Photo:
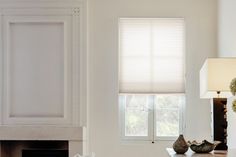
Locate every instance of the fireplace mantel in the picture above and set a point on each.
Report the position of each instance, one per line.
(42, 133)
(76, 136)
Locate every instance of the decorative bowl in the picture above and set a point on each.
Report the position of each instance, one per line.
(203, 147)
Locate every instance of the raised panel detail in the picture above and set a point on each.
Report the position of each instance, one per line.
(44, 67)
(36, 69)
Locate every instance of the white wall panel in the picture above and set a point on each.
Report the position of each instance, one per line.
(41, 80)
(36, 70)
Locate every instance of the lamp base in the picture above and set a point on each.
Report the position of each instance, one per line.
(219, 118)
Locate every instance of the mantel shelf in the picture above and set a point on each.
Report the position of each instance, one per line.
(41, 133)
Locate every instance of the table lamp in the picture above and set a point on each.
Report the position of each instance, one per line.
(215, 77)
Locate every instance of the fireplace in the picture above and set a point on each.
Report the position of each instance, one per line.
(15, 139)
(34, 149)
(44, 153)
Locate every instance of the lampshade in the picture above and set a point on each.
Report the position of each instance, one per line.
(216, 75)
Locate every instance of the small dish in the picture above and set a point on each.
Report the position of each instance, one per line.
(203, 147)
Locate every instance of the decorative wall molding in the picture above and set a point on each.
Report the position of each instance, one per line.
(75, 11)
(11, 112)
(42, 3)
(72, 15)
(1, 67)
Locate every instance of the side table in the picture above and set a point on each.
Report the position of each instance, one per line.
(190, 153)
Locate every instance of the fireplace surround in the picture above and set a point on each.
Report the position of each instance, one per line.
(14, 139)
(34, 149)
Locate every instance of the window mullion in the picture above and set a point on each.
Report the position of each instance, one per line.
(151, 118)
(122, 114)
(182, 118)
(154, 119)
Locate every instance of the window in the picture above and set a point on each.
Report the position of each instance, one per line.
(151, 78)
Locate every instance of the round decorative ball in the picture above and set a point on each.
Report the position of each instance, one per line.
(233, 86)
(180, 146)
(234, 105)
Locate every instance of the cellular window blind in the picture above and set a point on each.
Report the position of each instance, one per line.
(151, 55)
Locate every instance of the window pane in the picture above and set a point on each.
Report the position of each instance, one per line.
(167, 114)
(136, 115)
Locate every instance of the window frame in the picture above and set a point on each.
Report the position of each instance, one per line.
(181, 120)
(122, 99)
(152, 116)
(151, 119)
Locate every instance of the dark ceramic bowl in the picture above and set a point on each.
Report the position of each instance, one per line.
(204, 147)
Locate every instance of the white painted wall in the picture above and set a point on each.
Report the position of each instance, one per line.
(227, 31)
(227, 48)
(201, 42)
(231, 115)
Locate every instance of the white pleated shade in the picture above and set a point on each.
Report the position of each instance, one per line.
(151, 55)
(216, 74)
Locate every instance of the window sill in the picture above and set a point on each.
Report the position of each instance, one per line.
(141, 142)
